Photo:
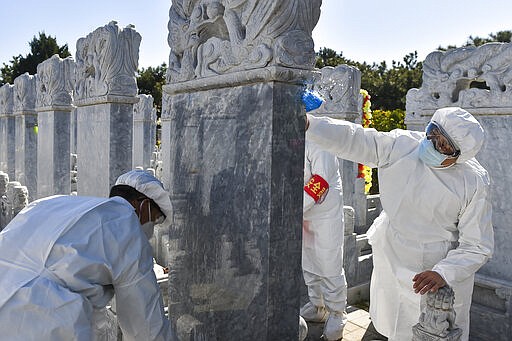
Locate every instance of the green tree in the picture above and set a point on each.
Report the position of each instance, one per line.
(498, 37)
(328, 57)
(41, 48)
(150, 82)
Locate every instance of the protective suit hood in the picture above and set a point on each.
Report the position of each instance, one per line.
(463, 129)
(151, 187)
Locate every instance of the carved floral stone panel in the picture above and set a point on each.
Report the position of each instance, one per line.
(143, 109)
(25, 93)
(6, 99)
(106, 62)
(55, 82)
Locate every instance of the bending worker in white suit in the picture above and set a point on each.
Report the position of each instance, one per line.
(435, 227)
(63, 258)
(322, 242)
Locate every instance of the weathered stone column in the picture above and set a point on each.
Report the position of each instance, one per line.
(106, 89)
(25, 164)
(144, 123)
(233, 159)
(7, 130)
(72, 127)
(479, 80)
(4, 180)
(55, 83)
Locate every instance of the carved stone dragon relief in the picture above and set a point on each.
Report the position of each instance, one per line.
(212, 37)
(469, 77)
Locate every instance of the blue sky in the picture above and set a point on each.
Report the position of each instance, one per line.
(371, 31)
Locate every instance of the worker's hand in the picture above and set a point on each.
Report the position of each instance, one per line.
(427, 281)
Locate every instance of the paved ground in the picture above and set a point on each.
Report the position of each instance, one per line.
(358, 328)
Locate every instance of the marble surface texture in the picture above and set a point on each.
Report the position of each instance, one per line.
(53, 153)
(144, 134)
(235, 164)
(104, 146)
(7, 129)
(7, 144)
(25, 164)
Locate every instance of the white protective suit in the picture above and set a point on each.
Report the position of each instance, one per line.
(323, 233)
(61, 261)
(432, 219)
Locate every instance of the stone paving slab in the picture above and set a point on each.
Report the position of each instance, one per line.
(358, 328)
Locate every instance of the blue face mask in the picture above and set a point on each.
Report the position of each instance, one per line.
(429, 155)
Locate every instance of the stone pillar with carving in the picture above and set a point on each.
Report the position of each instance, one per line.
(105, 91)
(233, 159)
(479, 79)
(25, 164)
(144, 121)
(7, 130)
(55, 83)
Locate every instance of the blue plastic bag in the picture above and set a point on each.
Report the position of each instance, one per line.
(312, 100)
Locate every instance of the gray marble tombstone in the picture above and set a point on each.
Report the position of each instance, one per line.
(233, 158)
(479, 79)
(105, 91)
(25, 164)
(7, 130)
(144, 121)
(54, 87)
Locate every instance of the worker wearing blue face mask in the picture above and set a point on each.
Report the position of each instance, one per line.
(63, 258)
(437, 148)
(435, 227)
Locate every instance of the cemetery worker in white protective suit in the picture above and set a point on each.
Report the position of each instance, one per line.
(435, 227)
(63, 258)
(322, 242)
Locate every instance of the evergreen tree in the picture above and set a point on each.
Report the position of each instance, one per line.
(41, 48)
(150, 82)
